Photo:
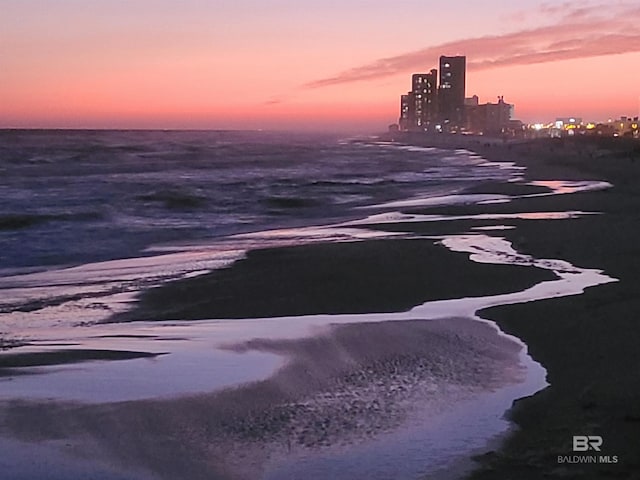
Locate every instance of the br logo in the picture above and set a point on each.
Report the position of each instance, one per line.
(583, 443)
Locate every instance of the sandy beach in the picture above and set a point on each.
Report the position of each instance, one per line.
(339, 388)
(347, 384)
(587, 343)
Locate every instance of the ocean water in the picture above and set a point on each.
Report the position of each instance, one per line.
(73, 197)
(89, 218)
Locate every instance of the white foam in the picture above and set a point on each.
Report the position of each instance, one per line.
(561, 187)
(440, 200)
(398, 217)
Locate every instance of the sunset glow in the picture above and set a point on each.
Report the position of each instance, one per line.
(281, 64)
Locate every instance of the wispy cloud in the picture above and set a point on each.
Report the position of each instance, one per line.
(580, 32)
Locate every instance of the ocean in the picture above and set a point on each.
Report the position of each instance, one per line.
(73, 197)
(79, 198)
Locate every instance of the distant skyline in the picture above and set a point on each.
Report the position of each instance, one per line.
(286, 64)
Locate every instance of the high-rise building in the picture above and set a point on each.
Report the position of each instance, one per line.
(419, 107)
(425, 94)
(452, 89)
(405, 120)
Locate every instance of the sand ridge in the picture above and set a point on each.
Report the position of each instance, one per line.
(338, 388)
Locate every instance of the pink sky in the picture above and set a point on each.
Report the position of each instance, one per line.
(287, 64)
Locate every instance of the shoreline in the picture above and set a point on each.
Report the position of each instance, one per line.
(541, 238)
(587, 344)
(339, 398)
(375, 276)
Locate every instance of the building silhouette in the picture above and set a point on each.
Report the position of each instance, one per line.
(419, 107)
(406, 121)
(451, 93)
(488, 118)
(437, 104)
(424, 88)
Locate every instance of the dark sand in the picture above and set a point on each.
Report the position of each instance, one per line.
(589, 343)
(362, 277)
(15, 359)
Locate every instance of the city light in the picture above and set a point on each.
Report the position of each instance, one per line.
(437, 104)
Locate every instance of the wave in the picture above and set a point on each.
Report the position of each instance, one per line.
(290, 202)
(22, 221)
(351, 182)
(175, 200)
(16, 222)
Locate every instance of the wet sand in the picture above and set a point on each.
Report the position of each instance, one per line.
(15, 360)
(338, 388)
(587, 343)
(359, 277)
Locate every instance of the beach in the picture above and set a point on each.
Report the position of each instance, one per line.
(341, 388)
(364, 337)
(587, 343)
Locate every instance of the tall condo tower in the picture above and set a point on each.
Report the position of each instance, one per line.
(419, 108)
(452, 89)
(425, 94)
(405, 120)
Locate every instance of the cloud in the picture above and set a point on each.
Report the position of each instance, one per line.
(554, 11)
(581, 32)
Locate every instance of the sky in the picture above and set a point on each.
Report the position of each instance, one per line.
(295, 64)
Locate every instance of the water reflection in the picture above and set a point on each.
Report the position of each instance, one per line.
(359, 383)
